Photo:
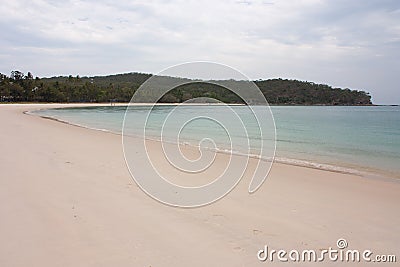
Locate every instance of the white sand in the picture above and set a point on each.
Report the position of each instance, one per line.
(67, 199)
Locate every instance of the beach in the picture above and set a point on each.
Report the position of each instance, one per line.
(67, 199)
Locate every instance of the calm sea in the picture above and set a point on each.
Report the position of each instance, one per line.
(349, 139)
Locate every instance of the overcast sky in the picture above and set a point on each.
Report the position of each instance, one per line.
(354, 44)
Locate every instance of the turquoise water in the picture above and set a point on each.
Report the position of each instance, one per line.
(359, 138)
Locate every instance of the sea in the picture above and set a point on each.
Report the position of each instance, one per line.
(362, 140)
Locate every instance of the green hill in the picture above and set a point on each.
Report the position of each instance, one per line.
(19, 87)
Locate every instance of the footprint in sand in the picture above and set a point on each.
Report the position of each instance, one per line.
(256, 231)
(235, 246)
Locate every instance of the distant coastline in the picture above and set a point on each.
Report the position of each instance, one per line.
(24, 88)
(177, 103)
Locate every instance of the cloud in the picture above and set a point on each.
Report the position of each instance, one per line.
(344, 43)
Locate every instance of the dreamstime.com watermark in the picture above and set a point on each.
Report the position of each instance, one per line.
(340, 253)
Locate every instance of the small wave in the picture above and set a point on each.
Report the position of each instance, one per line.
(319, 166)
(70, 123)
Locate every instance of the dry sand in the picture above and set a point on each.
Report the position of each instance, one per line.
(67, 199)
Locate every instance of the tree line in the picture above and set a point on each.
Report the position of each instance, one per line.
(20, 87)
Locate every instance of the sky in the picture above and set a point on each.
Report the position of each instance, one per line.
(350, 44)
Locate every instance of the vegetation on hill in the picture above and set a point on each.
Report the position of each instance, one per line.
(20, 87)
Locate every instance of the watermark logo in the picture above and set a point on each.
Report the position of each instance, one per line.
(341, 243)
(340, 253)
(202, 121)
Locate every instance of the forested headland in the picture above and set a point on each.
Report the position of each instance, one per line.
(20, 87)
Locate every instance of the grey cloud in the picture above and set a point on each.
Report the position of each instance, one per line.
(345, 43)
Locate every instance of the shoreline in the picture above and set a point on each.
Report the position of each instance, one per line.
(359, 170)
(68, 190)
(178, 103)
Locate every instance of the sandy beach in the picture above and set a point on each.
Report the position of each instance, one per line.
(67, 199)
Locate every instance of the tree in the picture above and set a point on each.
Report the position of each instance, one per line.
(16, 75)
(29, 76)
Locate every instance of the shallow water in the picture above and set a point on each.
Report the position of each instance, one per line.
(340, 138)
